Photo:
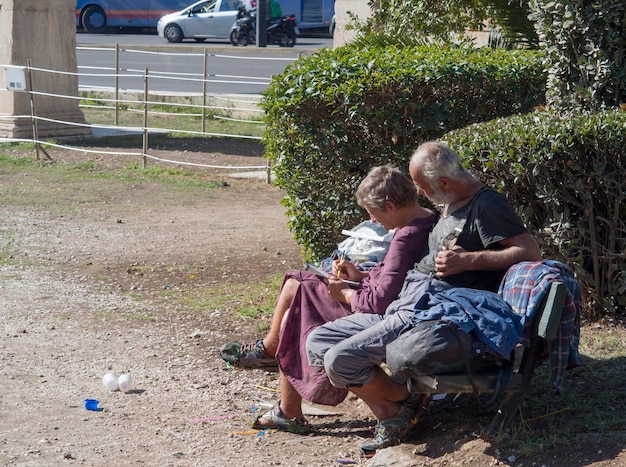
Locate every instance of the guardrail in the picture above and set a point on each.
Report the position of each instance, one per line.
(199, 107)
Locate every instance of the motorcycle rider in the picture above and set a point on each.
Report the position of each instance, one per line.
(281, 30)
(274, 9)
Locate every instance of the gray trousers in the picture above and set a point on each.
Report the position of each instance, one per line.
(351, 348)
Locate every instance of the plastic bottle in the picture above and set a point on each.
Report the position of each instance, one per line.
(110, 381)
(125, 382)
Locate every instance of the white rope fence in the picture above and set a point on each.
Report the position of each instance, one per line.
(223, 107)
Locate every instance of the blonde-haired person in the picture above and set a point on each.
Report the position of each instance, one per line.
(307, 301)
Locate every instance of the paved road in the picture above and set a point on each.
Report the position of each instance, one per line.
(178, 68)
(305, 43)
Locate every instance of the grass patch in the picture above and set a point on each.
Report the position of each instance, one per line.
(593, 399)
(22, 146)
(62, 173)
(182, 119)
(9, 161)
(7, 258)
(6, 255)
(168, 175)
(591, 407)
(250, 301)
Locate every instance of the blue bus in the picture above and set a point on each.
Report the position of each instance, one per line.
(99, 15)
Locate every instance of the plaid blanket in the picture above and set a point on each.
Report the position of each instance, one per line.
(524, 287)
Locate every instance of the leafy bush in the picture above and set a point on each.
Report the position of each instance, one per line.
(412, 23)
(565, 173)
(442, 19)
(334, 115)
(584, 43)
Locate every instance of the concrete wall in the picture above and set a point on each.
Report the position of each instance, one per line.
(360, 8)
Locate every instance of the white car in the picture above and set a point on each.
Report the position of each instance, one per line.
(208, 19)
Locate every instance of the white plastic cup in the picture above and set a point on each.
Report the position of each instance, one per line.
(110, 381)
(125, 382)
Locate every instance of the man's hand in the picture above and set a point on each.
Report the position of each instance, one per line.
(449, 262)
(521, 247)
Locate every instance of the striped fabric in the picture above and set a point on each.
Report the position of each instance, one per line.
(524, 287)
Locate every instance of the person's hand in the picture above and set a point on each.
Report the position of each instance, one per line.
(336, 288)
(344, 269)
(449, 262)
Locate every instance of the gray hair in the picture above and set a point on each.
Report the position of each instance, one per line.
(385, 183)
(436, 160)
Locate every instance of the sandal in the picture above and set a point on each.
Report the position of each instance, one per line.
(299, 426)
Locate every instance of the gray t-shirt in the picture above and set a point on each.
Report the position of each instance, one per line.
(483, 222)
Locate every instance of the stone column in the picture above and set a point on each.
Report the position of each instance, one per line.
(43, 31)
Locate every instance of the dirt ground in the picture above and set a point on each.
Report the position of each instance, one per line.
(92, 284)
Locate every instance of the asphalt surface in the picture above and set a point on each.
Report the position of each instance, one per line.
(306, 43)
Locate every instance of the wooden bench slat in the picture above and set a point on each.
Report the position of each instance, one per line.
(485, 383)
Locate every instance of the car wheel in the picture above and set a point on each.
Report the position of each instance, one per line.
(173, 33)
(94, 19)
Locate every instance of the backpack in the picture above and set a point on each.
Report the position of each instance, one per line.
(437, 347)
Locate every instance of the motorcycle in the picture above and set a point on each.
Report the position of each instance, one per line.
(281, 31)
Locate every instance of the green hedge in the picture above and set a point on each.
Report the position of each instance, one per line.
(565, 173)
(334, 115)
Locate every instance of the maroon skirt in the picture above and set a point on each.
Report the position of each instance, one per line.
(311, 307)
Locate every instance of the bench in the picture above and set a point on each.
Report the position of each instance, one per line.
(543, 329)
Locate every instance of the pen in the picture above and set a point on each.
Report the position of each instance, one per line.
(343, 255)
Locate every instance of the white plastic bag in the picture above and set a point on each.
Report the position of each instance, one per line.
(368, 241)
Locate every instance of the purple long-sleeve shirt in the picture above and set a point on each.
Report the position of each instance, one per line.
(385, 280)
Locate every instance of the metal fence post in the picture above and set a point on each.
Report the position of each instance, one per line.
(117, 83)
(145, 118)
(204, 78)
(33, 111)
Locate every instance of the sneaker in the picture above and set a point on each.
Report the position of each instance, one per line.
(393, 430)
(299, 426)
(247, 355)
